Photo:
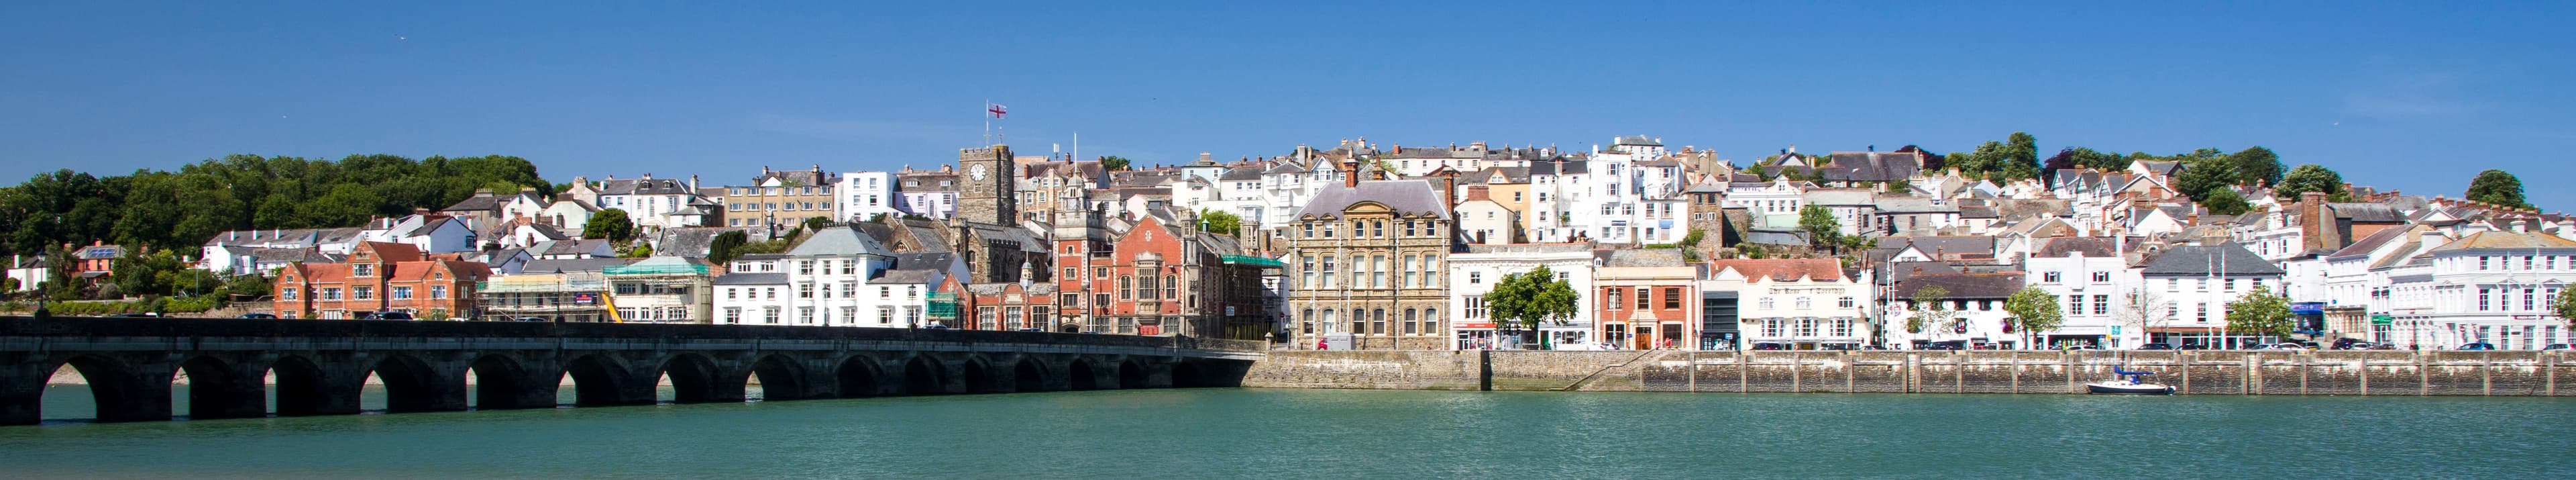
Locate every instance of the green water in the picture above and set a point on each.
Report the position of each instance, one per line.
(1269, 433)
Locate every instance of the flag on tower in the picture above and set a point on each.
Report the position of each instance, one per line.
(996, 109)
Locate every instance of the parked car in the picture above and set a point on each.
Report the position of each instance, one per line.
(2072, 348)
(392, 316)
(2156, 346)
(2555, 346)
(530, 319)
(1032, 329)
(2285, 346)
(259, 316)
(2476, 346)
(1770, 346)
(1947, 345)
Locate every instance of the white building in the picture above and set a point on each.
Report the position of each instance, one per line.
(1796, 304)
(866, 195)
(839, 277)
(1974, 304)
(1473, 273)
(2490, 286)
(2090, 280)
(2197, 282)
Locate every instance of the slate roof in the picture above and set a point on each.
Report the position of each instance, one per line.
(1510, 175)
(1640, 140)
(1408, 197)
(1962, 285)
(2059, 247)
(1648, 257)
(2222, 259)
(317, 235)
(2371, 242)
(2368, 212)
(574, 265)
(839, 241)
(1241, 174)
(739, 278)
(1559, 166)
(1870, 166)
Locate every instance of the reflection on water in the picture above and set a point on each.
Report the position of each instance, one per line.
(1264, 433)
(73, 403)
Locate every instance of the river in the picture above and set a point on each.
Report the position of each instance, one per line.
(1279, 433)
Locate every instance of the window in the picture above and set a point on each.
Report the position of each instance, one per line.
(1613, 299)
(1642, 301)
(438, 292)
(1474, 277)
(804, 314)
(362, 269)
(2048, 277)
(361, 293)
(2101, 277)
(2482, 265)
(287, 293)
(1803, 303)
(1672, 298)
(733, 315)
(804, 290)
(1411, 275)
(2101, 304)
(730, 292)
(1126, 287)
(849, 313)
(849, 266)
(2485, 299)
(402, 293)
(1172, 287)
(1409, 319)
(1846, 302)
(804, 267)
(1145, 287)
(2201, 312)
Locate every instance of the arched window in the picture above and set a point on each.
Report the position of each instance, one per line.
(1126, 287)
(1306, 319)
(1329, 315)
(1145, 287)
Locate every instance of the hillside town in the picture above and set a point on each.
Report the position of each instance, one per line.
(1357, 245)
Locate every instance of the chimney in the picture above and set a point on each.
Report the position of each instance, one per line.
(693, 183)
(2521, 226)
(1203, 157)
(1351, 173)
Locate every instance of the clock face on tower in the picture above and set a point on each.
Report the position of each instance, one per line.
(977, 171)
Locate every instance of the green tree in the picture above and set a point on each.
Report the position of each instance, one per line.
(640, 251)
(1219, 222)
(2225, 202)
(1900, 186)
(1931, 309)
(1113, 163)
(817, 224)
(249, 286)
(2565, 307)
(1692, 239)
(609, 224)
(2259, 312)
(1522, 301)
(2034, 311)
(727, 246)
(2256, 165)
(2202, 176)
(2497, 187)
(1823, 230)
(2312, 178)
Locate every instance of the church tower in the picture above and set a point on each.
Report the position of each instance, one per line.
(990, 180)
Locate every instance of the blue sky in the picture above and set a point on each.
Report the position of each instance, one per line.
(2411, 97)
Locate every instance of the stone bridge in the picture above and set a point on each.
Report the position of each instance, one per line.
(320, 366)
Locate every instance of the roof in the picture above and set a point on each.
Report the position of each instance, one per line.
(2368, 212)
(1870, 166)
(2371, 242)
(839, 241)
(750, 279)
(1241, 174)
(1650, 257)
(1408, 197)
(1962, 285)
(2493, 239)
(2085, 246)
(574, 265)
(2222, 259)
(1640, 140)
(1781, 269)
(1841, 196)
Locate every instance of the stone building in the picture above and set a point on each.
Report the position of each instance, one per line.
(782, 199)
(1367, 260)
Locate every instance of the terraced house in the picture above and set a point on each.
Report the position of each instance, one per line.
(380, 277)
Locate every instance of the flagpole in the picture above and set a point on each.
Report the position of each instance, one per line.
(988, 121)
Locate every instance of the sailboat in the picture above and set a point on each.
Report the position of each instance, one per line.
(2128, 383)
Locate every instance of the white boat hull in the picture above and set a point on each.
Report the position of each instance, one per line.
(2127, 388)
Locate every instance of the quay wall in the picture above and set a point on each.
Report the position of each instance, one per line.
(2193, 372)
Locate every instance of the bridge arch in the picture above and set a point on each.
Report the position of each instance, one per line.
(500, 383)
(978, 375)
(857, 377)
(1188, 374)
(597, 380)
(1028, 376)
(409, 383)
(1080, 376)
(299, 386)
(216, 389)
(923, 375)
(1131, 374)
(116, 388)
(693, 378)
(781, 378)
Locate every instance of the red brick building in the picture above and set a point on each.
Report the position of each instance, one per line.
(1160, 276)
(380, 277)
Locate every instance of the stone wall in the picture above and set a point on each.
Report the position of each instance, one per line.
(2194, 372)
